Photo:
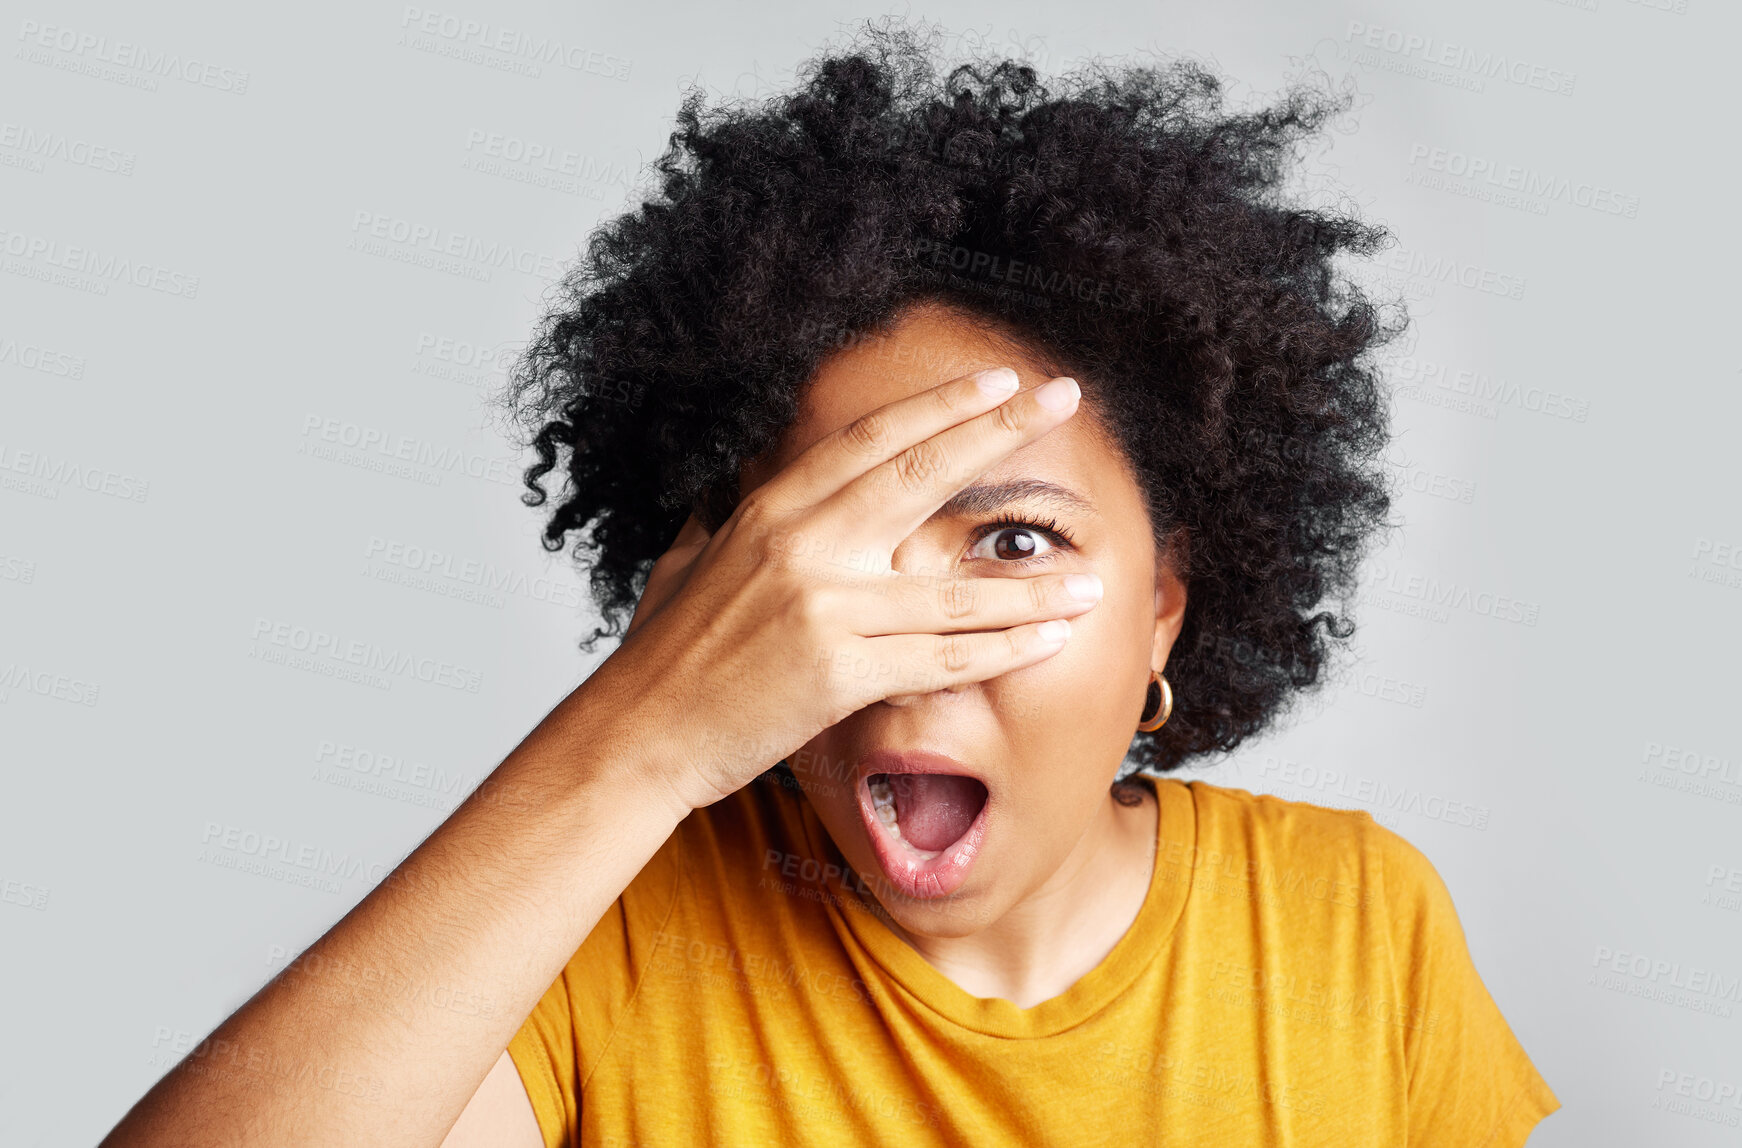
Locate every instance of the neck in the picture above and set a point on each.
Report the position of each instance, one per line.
(1061, 931)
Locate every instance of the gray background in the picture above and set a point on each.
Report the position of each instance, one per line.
(1547, 662)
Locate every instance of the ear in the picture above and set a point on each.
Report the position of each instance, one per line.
(1170, 609)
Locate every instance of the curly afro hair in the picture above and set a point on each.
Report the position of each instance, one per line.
(1124, 223)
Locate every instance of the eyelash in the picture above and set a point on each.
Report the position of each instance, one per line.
(1050, 529)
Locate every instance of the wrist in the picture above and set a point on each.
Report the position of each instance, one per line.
(611, 752)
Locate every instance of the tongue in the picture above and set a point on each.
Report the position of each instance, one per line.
(935, 809)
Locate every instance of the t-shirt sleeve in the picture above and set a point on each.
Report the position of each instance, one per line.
(572, 1025)
(1470, 1083)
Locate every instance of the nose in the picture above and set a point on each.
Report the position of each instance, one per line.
(921, 557)
(924, 554)
(906, 700)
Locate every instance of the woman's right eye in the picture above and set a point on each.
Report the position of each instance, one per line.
(1009, 541)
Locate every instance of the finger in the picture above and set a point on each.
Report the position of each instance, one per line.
(829, 464)
(892, 500)
(906, 604)
(904, 664)
(670, 571)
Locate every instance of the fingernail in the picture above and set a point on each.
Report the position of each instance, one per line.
(1056, 395)
(1057, 630)
(997, 381)
(1083, 587)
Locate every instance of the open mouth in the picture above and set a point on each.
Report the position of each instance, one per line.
(926, 825)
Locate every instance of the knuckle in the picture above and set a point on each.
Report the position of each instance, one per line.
(1008, 417)
(816, 606)
(919, 465)
(954, 400)
(957, 598)
(754, 512)
(1040, 594)
(771, 536)
(955, 652)
(868, 434)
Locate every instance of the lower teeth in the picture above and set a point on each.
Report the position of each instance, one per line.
(883, 804)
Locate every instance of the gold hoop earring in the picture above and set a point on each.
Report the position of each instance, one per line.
(1164, 710)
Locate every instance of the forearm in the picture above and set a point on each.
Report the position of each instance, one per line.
(381, 1031)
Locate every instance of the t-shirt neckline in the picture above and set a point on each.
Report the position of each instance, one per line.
(1176, 830)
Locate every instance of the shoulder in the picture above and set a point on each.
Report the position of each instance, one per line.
(1230, 807)
(1321, 852)
(1393, 876)
(1467, 1079)
(1265, 830)
(1302, 820)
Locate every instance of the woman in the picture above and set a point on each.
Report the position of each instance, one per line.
(966, 448)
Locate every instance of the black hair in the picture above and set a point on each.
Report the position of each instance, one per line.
(1122, 220)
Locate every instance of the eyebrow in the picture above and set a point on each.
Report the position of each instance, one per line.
(990, 497)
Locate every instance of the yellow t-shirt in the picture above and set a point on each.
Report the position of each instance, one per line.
(1296, 976)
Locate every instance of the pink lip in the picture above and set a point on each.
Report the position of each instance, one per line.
(920, 878)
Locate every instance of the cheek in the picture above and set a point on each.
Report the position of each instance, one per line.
(1108, 651)
(822, 772)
